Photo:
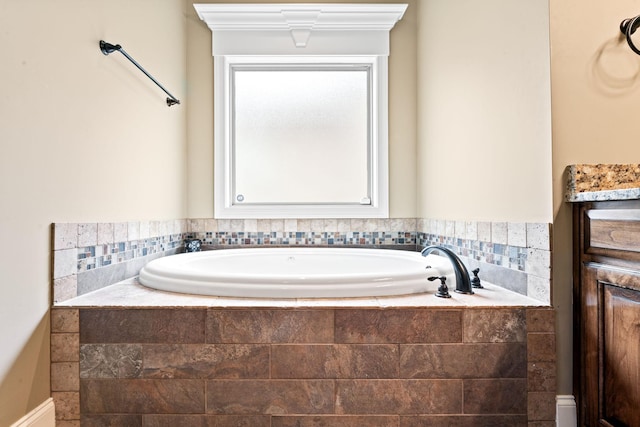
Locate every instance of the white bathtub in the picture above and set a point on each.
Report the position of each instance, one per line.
(296, 273)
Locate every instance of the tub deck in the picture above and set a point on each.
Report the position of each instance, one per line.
(130, 293)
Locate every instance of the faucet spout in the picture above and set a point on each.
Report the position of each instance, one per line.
(463, 281)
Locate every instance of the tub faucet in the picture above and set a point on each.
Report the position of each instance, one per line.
(463, 282)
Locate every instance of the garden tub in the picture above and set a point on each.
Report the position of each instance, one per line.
(296, 272)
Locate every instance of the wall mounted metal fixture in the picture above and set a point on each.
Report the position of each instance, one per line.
(108, 48)
(628, 27)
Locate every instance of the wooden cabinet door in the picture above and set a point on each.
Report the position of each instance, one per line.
(610, 357)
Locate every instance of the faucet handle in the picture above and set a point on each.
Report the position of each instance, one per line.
(475, 282)
(443, 290)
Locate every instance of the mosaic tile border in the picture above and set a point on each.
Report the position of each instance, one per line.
(88, 256)
(304, 232)
(92, 257)
(307, 238)
(512, 257)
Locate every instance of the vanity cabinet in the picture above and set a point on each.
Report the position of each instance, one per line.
(607, 313)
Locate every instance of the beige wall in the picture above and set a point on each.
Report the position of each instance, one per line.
(484, 121)
(83, 137)
(596, 95)
(402, 116)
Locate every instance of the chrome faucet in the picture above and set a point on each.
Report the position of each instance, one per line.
(463, 281)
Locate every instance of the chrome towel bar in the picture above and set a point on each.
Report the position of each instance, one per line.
(108, 48)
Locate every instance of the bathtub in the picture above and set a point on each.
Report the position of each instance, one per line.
(296, 273)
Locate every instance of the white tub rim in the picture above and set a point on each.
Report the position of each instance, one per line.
(171, 274)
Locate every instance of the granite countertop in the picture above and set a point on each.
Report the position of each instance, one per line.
(602, 182)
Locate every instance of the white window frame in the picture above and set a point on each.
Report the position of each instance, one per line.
(296, 34)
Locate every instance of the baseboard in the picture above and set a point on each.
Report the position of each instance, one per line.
(566, 411)
(42, 416)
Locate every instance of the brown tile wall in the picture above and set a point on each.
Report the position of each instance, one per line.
(303, 367)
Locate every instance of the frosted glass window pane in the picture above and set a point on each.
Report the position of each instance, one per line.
(301, 136)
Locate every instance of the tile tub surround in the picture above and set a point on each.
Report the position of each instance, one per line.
(515, 256)
(602, 182)
(402, 367)
(90, 256)
(394, 233)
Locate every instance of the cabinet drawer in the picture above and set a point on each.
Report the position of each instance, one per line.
(611, 230)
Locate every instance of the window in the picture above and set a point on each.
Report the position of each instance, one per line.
(300, 109)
